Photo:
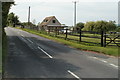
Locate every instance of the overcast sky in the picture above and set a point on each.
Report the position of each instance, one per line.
(91, 10)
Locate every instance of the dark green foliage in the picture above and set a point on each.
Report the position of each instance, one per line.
(13, 20)
(80, 25)
(5, 10)
(118, 29)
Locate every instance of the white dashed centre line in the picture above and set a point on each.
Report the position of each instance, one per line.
(29, 40)
(74, 75)
(45, 52)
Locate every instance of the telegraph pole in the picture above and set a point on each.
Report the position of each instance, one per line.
(75, 12)
(29, 16)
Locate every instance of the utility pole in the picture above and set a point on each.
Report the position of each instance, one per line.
(29, 16)
(75, 12)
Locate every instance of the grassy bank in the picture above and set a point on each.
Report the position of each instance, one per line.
(105, 50)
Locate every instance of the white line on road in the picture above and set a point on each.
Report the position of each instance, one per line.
(45, 52)
(114, 65)
(22, 35)
(29, 40)
(94, 57)
(73, 74)
(104, 61)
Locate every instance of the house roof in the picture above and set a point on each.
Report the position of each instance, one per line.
(47, 20)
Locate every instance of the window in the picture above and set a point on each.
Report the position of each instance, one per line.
(53, 21)
(46, 20)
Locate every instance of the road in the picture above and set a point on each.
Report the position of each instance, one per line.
(32, 56)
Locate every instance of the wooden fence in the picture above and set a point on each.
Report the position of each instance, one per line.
(98, 38)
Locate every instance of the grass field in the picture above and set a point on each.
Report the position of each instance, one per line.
(109, 50)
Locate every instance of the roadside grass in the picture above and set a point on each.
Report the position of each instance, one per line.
(109, 50)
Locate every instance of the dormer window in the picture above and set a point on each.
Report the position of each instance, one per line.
(53, 21)
(46, 20)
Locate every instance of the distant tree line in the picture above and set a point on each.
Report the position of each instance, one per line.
(97, 26)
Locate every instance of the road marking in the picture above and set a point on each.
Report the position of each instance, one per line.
(22, 35)
(95, 57)
(114, 65)
(45, 52)
(73, 74)
(29, 40)
(104, 61)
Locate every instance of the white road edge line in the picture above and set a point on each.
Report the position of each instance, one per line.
(29, 40)
(114, 65)
(73, 74)
(45, 53)
(105, 62)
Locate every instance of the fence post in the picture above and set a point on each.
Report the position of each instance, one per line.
(102, 38)
(80, 36)
(66, 34)
(105, 39)
(55, 31)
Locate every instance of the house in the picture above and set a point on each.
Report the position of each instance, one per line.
(50, 24)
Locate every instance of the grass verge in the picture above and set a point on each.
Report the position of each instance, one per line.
(113, 51)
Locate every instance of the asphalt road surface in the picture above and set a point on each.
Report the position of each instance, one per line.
(32, 56)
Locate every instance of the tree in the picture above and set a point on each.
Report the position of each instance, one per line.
(5, 10)
(111, 26)
(89, 26)
(80, 25)
(118, 29)
(99, 26)
(104, 26)
(12, 19)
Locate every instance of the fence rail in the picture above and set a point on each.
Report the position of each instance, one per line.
(102, 38)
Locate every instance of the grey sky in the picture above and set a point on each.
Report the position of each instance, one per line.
(63, 10)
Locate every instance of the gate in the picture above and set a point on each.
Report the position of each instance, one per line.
(112, 38)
